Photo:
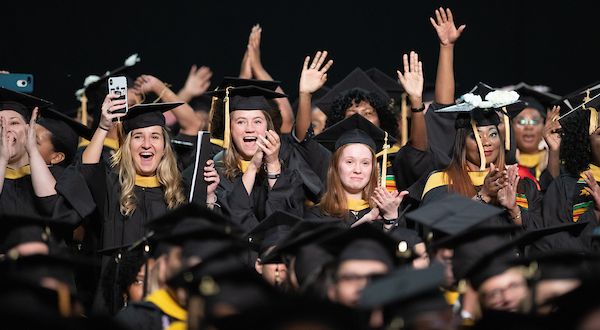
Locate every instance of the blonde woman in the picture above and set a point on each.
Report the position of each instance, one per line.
(144, 181)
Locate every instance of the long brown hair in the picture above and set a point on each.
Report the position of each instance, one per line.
(167, 173)
(334, 202)
(232, 155)
(458, 171)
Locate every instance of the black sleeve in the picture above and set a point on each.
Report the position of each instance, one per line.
(95, 178)
(236, 202)
(72, 187)
(531, 210)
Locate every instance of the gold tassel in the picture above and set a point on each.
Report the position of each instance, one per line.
(64, 299)
(226, 130)
(386, 146)
(404, 121)
(479, 146)
(506, 129)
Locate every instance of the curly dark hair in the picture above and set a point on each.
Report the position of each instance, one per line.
(387, 119)
(575, 146)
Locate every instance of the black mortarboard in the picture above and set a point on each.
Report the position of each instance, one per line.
(406, 292)
(271, 230)
(495, 260)
(65, 131)
(537, 97)
(357, 79)
(363, 242)
(146, 115)
(561, 264)
(354, 129)
(16, 229)
(240, 82)
(387, 83)
(453, 214)
(247, 97)
(21, 103)
(586, 98)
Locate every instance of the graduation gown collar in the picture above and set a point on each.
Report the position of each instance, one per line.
(163, 300)
(593, 168)
(147, 181)
(17, 173)
(108, 142)
(531, 160)
(244, 165)
(357, 204)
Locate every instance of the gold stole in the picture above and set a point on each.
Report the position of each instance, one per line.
(357, 204)
(244, 165)
(147, 181)
(108, 142)
(162, 299)
(17, 173)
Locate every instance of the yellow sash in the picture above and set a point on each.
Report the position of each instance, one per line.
(357, 204)
(147, 181)
(393, 149)
(244, 165)
(18, 173)
(532, 161)
(162, 299)
(438, 179)
(216, 141)
(593, 168)
(108, 142)
(478, 177)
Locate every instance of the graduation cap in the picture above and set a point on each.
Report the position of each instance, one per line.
(452, 214)
(237, 96)
(586, 98)
(364, 242)
(357, 79)
(560, 264)
(19, 229)
(406, 292)
(498, 258)
(95, 88)
(21, 103)
(229, 81)
(65, 131)
(271, 231)
(479, 107)
(146, 115)
(539, 93)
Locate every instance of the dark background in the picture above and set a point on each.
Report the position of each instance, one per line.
(505, 41)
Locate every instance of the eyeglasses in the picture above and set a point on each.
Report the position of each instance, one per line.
(526, 122)
(495, 295)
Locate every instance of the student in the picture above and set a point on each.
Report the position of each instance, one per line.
(254, 179)
(144, 181)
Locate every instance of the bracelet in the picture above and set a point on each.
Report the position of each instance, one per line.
(273, 175)
(518, 216)
(421, 109)
(479, 198)
(102, 128)
(388, 222)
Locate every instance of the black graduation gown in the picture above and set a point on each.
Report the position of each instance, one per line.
(566, 201)
(247, 210)
(315, 214)
(117, 229)
(18, 198)
(529, 199)
(157, 314)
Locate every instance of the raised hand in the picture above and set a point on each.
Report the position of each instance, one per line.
(507, 195)
(147, 83)
(31, 143)
(269, 144)
(5, 145)
(254, 49)
(314, 76)
(388, 202)
(445, 28)
(412, 79)
(493, 182)
(592, 188)
(552, 129)
(211, 176)
(197, 82)
(109, 106)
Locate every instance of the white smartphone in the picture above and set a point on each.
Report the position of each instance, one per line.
(118, 85)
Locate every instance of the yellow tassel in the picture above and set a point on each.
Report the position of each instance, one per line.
(404, 120)
(226, 131)
(593, 113)
(386, 146)
(506, 130)
(479, 146)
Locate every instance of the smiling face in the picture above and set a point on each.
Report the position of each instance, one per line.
(147, 147)
(528, 126)
(16, 132)
(354, 167)
(490, 139)
(246, 126)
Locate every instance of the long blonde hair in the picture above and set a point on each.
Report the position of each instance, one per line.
(334, 202)
(167, 173)
(232, 155)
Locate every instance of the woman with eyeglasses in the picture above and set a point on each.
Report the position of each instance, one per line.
(537, 143)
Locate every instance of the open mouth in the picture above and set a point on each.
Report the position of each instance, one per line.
(250, 139)
(146, 155)
(528, 138)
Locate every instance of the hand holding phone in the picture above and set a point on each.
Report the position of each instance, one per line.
(118, 86)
